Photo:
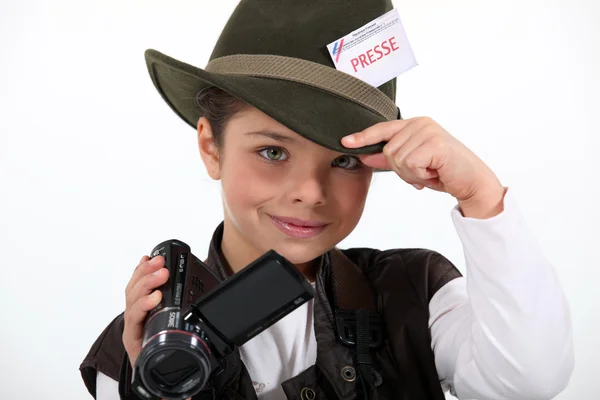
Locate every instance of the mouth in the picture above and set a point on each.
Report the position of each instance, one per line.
(298, 228)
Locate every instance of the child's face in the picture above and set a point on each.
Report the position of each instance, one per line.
(281, 174)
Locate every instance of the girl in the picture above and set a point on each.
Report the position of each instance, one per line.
(294, 143)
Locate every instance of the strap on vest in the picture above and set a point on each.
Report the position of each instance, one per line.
(358, 324)
(363, 356)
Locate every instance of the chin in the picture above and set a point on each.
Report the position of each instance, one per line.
(299, 253)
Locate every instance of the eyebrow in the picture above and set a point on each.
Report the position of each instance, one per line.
(270, 134)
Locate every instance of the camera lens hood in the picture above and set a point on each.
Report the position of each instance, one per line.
(174, 364)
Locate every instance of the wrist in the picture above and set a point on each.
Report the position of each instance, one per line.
(485, 203)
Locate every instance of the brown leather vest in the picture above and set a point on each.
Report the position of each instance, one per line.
(403, 280)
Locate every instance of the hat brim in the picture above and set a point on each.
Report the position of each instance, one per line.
(320, 116)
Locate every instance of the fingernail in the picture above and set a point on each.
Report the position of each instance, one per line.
(349, 139)
(154, 260)
(417, 186)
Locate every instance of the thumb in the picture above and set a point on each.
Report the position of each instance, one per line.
(378, 160)
(434, 184)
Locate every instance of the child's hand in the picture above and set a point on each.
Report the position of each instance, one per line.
(140, 298)
(424, 154)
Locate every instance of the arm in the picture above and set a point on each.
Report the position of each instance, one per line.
(106, 387)
(504, 331)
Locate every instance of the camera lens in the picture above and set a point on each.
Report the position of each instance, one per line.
(175, 364)
(174, 368)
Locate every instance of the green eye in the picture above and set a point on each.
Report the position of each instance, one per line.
(273, 154)
(346, 162)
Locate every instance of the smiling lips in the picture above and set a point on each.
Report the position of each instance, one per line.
(298, 228)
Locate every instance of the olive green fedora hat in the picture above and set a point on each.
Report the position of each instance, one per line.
(273, 55)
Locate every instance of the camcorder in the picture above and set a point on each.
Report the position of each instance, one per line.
(200, 319)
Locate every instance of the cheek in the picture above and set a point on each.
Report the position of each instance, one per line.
(245, 185)
(351, 198)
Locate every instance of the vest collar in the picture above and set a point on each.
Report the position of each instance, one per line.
(332, 357)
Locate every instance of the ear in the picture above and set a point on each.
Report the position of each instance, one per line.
(208, 149)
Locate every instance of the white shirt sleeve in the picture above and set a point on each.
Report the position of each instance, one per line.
(106, 387)
(504, 330)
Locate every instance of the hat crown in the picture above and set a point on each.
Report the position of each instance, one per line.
(300, 29)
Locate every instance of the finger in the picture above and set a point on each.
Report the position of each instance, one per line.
(146, 284)
(134, 274)
(381, 132)
(419, 166)
(409, 139)
(433, 184)
(427, 178)
(378, 161)
(134, 316)
(400, 146)
(383, 161)
(145, 267)
(429, 173)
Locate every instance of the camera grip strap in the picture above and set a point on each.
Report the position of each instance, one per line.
(125, 378)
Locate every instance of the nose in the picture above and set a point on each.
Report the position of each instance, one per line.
(308, 187)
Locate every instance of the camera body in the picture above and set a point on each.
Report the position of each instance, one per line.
(200, 319)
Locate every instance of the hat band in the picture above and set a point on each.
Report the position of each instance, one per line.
(308, 73)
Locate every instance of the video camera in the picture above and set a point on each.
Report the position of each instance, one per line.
(200, 320)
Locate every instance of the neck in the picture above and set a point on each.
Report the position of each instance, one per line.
(308, 269)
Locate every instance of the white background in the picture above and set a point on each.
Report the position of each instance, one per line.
(95, 169)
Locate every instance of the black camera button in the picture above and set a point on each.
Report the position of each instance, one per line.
(307, 394)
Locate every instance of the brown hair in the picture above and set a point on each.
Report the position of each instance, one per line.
(218, 107)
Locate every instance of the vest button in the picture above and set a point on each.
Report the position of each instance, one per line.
(307, 394)
(348, 374)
